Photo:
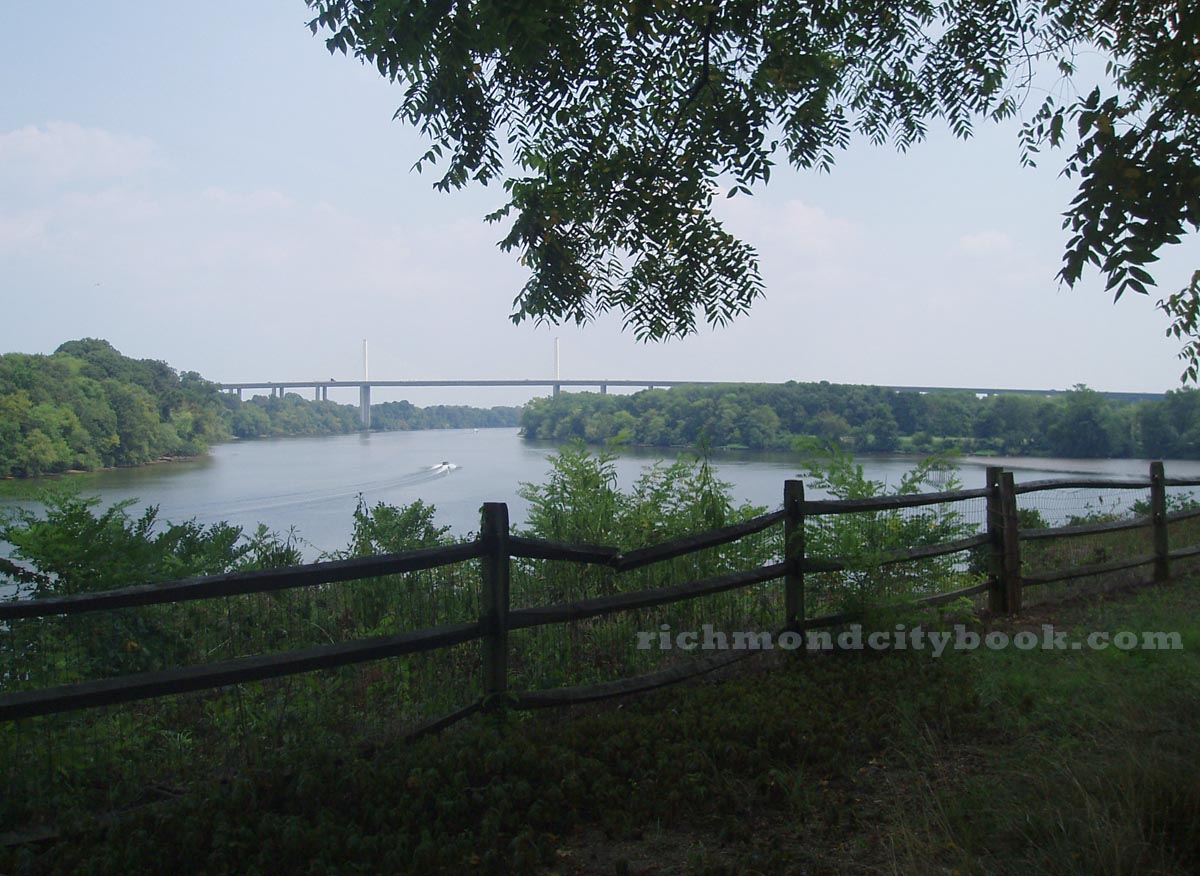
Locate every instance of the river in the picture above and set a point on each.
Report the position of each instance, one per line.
(313, 484)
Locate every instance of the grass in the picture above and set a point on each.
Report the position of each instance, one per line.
(860, 762)
(1091, 768)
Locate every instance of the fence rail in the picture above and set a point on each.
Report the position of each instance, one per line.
(241, 583)
(1080, 484)
(495, 548)
(146, 685)
(1090, 569)
(1088, 528)
(538, 549)
(889, 503)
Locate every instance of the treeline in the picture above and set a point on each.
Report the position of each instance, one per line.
(86, 406)
(873, 419)
(403, 415)
(279, 416)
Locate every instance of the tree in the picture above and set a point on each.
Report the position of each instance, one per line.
(1184, 309)
(1158, 438)
(759, 427)
(1085, 427)
(880, 432)
(829, 427)
(621, 118)
(1018, 423)
(136, 421)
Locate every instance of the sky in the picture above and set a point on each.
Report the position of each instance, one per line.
(204, 184)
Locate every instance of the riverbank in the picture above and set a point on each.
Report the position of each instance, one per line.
(977, 762)
(876, 419)
(313, 483)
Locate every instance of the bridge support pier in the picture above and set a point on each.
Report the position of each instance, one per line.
(604, 389)
(239, 392)
(557, 389)
(364, 405)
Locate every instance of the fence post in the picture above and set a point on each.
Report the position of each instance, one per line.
(1158, 516)
(1012, 544)
(793, 553)
(997, 595)
(493, 530)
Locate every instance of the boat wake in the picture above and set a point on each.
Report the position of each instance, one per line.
(220, 511)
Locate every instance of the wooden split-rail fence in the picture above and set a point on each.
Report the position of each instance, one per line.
(495, 548)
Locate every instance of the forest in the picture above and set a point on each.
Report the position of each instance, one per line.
(86, 406)
(403, 415)
(1081, 423)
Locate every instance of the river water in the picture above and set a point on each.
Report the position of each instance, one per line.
(313, 484)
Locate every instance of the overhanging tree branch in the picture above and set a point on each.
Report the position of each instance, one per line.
(616, 209)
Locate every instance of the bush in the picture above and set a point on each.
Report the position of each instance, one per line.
(861, 539)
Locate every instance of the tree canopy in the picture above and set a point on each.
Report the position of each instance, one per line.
(875, 419)
(619, 119)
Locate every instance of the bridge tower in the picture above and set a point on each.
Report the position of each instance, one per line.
(364, 393)
(557, 372)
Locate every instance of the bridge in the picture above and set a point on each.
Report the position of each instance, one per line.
(321, 388)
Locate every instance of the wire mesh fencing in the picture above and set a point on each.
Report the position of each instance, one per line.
(868, 545)
(637, 641)
(1088, 511)
(106, 758)
(71, 766)
(63, 649)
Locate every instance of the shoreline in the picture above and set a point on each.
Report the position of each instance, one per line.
(87, 471)
(74, 472)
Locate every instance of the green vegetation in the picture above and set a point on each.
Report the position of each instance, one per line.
(1088, 765)
(873, 419)
(69, 548)
(73, 547)
(580, 501)
(86, 407)
(863, 538)
(851, 762)
(1040, 762)
(403, 415)
(282, 416)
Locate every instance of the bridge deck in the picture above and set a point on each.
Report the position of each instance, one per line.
(554, 382)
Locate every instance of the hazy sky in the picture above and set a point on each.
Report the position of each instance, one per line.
(203, 183)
